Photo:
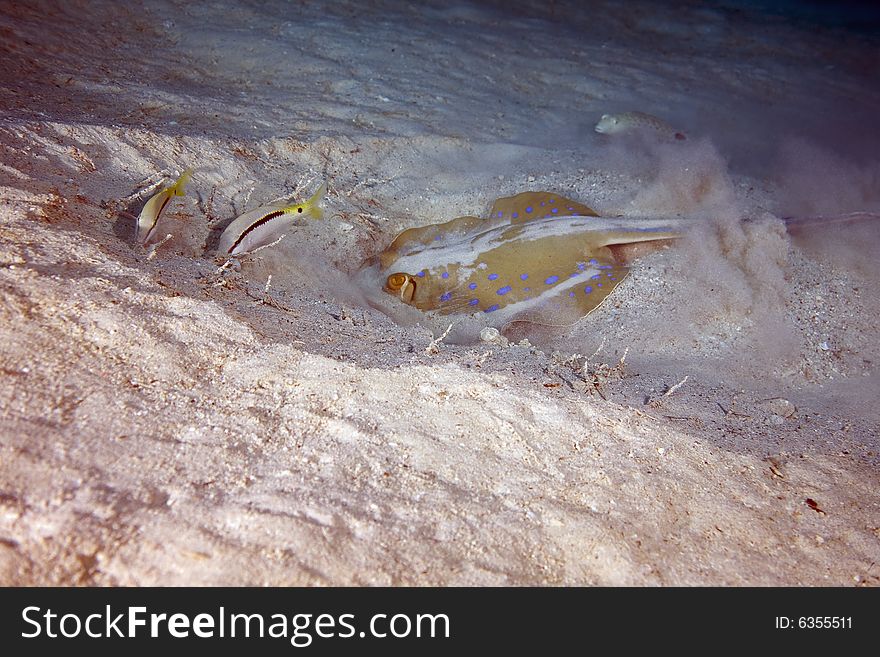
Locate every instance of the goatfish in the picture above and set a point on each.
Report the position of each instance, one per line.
(632, 122)
(261, 226)
(148, 219)
(539, 257)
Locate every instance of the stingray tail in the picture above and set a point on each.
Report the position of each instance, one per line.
(813, 222)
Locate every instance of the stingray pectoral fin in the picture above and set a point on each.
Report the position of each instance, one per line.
(575, 302)
(416, 239)
(424, 235)
(536, 205)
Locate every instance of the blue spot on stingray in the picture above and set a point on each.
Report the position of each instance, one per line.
(421, 274)
(581, 266)
(595, 276)
(598, 284)
(473, 302)
(552, 200)
(554, 210)
(551, 280)
(542, 204)
(523, 277)
(515, 215)
(437, 239)
(529, 209)
(473, 286)
(571, 209)
(492, 277)
(500, 213)
(593, 261)
(503, 290)
(588, 289)
(491, 308)
(527, 289)
(605, 267)
(577, 273)
(446, 296)
(611, 277)
(444, 274)
(571, 294)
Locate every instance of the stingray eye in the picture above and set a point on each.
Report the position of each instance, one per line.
(299, 209)
(396, 281)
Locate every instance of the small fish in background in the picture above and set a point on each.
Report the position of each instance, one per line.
(261, 226)
(632, 122)
(148, 219)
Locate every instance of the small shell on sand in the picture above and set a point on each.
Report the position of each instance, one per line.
(490, 334)
(779, 407)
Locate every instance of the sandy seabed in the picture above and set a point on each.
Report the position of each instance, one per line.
(170, 420)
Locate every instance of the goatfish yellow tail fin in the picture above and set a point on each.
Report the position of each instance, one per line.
(179, 188)
(312, 206)
(153, 208)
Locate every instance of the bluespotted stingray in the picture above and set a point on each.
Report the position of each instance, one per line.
(538, 257)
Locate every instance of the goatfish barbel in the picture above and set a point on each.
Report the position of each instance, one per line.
(539, 257)
(148, 219)
(263, 225)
